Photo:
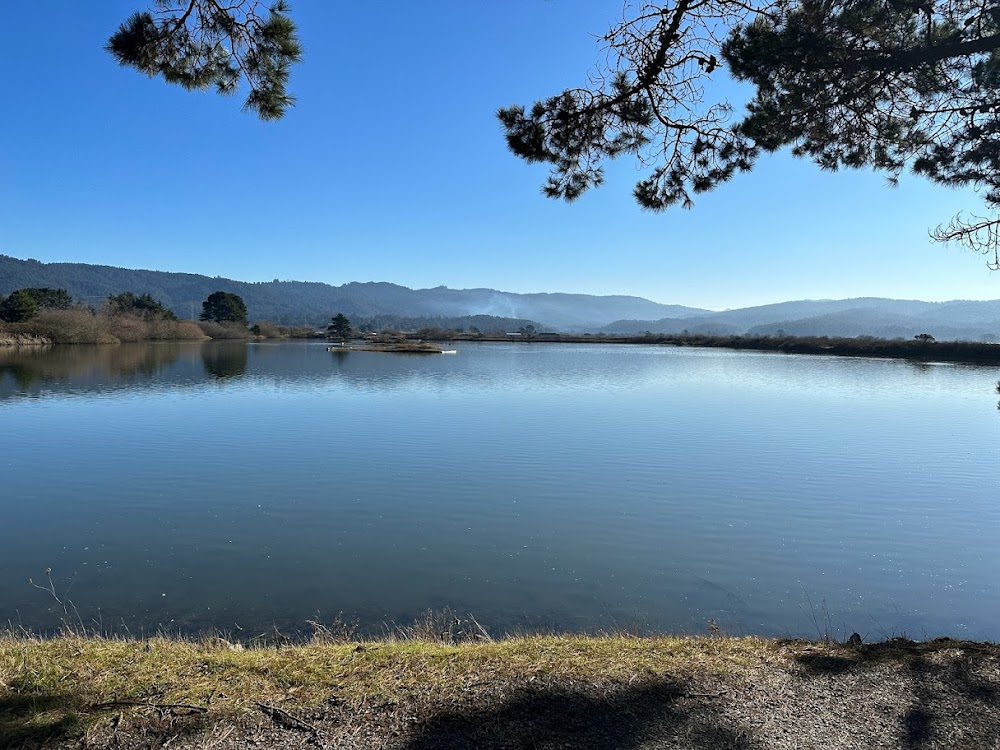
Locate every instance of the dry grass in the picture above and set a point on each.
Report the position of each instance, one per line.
(561, 690)
(224, 330)
(297, 332)
(73, 326)
(130, 328)
(268, 330)
(232, 676)
(71, 676)
(80, 325)
(173, 330)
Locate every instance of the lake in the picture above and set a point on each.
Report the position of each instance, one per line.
(248, 487)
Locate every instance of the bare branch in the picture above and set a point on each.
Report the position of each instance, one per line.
(979, 234)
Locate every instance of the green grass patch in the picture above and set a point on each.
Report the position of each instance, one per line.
(68, 684)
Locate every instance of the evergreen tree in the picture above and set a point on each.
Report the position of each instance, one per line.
(18, 307)
(847, 83)
(50, 299)
(340, 327)
(224, 307)
(143, 305)
(202, 44)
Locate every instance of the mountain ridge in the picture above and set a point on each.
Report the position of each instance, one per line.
(313, 302)
(852, 317)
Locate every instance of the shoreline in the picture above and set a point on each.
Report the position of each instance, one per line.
(521, 692)
(969, 352)
(963, 352)
(19, 340)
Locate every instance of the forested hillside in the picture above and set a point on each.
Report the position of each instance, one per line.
(381, 304)
(302, 302)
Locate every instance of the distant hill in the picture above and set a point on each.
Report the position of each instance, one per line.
(864, 316)
(385, 304)
(297, 302)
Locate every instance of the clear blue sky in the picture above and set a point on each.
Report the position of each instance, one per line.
(392, 168)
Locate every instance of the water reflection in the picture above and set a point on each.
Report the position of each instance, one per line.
(190, 485)
(34, 371)
(40, 372)
(225, 359)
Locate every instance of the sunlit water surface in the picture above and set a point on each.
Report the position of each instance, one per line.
(248, 487)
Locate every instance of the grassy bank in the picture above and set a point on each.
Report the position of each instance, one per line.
(525, 692)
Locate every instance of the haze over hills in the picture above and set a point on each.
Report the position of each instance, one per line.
(297, 302)
(863, 316)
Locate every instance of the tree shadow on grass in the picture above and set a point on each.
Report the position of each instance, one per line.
(30, 721)
(39, 721)
(560, 716)
(953, 702)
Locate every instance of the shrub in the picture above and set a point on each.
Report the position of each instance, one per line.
(128, 328)
(78, 325)
(298, 332)
(224, 330)
(267, 330)
(175, 330)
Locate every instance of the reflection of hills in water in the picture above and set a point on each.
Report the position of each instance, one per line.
(478, 366)
(79, 370)
(39, 372)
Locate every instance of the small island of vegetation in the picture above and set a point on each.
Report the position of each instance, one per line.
(400, 347)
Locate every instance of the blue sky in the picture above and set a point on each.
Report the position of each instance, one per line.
(392, 167)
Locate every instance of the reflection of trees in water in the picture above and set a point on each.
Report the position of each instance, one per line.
(23, 374)
(477, 366)
(27, 372)
(225, 359)
(70, 367)
(30, 371)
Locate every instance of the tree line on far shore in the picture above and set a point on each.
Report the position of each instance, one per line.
(47, 314)
(39, 314)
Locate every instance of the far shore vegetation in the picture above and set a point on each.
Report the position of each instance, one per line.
(922, 347)
(50, 316)
(918, 348)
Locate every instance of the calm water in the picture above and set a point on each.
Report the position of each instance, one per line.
(533, 485)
